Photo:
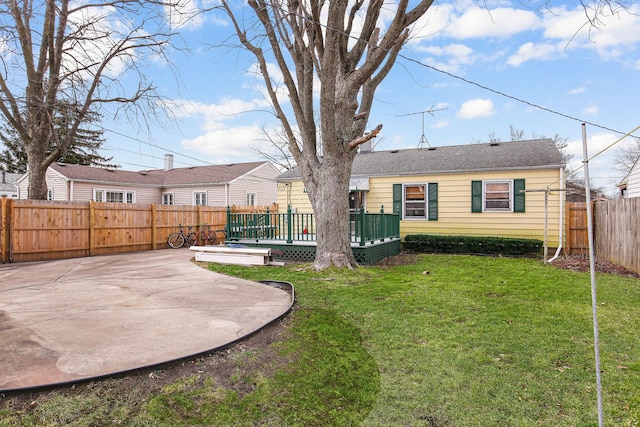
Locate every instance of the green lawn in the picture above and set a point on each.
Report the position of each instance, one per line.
(445, 341)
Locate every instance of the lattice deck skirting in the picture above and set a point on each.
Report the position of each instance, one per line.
(306, 251)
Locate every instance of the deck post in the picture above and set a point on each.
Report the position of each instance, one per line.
(362, 227)
(289, 234)
(382, 221)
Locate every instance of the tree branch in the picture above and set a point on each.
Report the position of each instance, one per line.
(359, 141)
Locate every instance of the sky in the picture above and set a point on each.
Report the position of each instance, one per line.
(480, 68)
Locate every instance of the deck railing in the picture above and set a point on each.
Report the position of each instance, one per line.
(292, 227)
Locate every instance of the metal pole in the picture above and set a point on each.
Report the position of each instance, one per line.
(594, 301)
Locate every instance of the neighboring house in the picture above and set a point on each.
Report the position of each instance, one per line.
(630, 185)
(239, 184)
(8, 185)
(576, 193)
(476, 189)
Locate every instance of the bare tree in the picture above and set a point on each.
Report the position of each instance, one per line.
(341, 50)
(59, 53)
(626, 156)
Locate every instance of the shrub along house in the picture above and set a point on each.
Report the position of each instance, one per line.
(239, 184)
(499, 189)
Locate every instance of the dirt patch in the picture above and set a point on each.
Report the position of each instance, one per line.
(581, 263)
(572, 262)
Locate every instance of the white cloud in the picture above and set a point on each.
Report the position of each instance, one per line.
(468, 21)
(529, 51)
(478, 22)
(454, 56)
(224, 144)
(475, 108)
(440, 124)
(602, 153)
(217, 133)
(591, 110)
(615, 34)
(576, 91)
(183, 14)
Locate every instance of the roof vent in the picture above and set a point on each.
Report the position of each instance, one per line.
(394, 151)
(432, 148)
(494, 144)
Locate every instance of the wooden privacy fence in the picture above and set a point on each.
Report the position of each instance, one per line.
(617, 231)
(577, 240)
(34, 230)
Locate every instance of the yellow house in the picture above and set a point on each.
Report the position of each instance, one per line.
(502, 189)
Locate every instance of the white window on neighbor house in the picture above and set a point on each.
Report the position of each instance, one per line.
(251, 199)
(114, 196)
(50, 193)
(167, 198)
(200, 199)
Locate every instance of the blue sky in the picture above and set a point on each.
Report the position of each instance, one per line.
(462, 57)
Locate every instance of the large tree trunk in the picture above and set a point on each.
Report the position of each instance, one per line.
(37, 170)
(330, 201)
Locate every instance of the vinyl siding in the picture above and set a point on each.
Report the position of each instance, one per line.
(185, 195)
(633, 181)
(260, 181)
(292, 193)
(454, 205)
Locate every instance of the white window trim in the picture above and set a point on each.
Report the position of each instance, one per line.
(50, 193)
(195, 195)
(103, 195)
(484, 193)
(255, 198)
(426, 202)
(173, 197)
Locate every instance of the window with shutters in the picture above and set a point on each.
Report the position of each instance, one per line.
(416, 201)
(498, 196)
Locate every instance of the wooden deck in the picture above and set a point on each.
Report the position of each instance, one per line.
(305, 250)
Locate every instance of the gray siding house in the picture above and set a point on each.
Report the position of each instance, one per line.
(8, 185)
(239, 184)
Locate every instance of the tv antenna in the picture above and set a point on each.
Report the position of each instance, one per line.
(423, 138)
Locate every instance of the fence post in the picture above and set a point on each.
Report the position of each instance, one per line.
(289, 237)
(154, 230)
(92, 225)
(5, 226)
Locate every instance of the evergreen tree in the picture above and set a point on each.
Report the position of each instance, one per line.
(83, 150)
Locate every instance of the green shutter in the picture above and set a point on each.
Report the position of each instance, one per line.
(433, 201)
(397, 199)
(476, 196)
(518, 195)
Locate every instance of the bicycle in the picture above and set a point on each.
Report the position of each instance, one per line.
(179, 238)
(207, 236)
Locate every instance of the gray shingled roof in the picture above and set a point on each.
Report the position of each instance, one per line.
(9, 181)
(502, 156)
(197, 175)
